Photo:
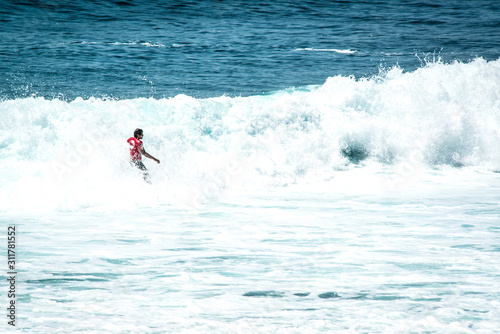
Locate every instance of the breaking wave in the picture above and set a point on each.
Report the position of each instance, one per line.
(69, 155)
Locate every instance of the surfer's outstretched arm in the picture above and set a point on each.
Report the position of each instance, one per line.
(147, 155)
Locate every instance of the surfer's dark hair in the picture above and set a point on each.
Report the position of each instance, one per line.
(137, 132)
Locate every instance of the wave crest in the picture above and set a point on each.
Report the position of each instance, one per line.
(74, 154)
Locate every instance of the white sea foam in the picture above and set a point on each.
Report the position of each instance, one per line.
(369, 227)
(344, 51)
(415, 260)
(60, 155)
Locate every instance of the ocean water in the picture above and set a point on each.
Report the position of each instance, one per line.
(128, 49)
(326, 166)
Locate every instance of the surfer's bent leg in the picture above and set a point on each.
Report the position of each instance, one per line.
(140, 165)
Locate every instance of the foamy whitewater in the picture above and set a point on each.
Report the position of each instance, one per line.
(67, 156)
(362, 205)
(325, 167)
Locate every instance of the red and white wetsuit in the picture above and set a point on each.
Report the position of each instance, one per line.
(135, 149)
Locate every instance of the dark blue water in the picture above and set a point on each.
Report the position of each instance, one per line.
(128, 49)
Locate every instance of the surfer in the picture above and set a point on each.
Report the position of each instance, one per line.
(136, 152)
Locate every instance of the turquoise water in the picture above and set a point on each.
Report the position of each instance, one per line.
(341, 260)
(353, 206)
(326, 167)
(130, 49)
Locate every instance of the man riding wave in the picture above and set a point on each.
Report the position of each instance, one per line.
(137, 151)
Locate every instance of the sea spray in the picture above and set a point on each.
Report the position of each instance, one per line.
(68, 155)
